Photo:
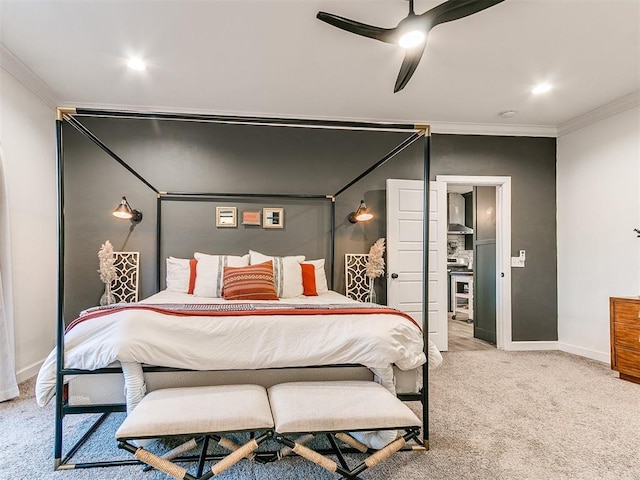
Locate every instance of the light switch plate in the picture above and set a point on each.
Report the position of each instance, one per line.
(517, 262)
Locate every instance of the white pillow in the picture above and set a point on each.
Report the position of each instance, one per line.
(321, 276)
(287, 273)
(210, 271)
(178, 274)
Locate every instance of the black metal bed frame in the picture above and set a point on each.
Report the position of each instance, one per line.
(62, 408)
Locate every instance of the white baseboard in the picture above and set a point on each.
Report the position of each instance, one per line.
(604, 357)
(28, 372)
(525, 346)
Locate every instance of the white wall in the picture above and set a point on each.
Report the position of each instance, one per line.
(27, 133)
(598, 198)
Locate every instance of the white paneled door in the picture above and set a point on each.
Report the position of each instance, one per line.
(405, 250)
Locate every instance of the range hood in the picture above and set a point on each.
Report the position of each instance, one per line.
(455, 202)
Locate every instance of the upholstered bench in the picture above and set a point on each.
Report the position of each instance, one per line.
(335, 409)
(205, 411)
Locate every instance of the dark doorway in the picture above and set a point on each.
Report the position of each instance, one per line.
(484, 272)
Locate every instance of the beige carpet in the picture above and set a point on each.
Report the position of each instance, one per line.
(494, 415)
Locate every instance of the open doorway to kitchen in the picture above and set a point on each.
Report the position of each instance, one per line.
(470, 314)
(478, 252)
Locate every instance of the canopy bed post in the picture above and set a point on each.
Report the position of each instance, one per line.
(60, 306)
(332, 254)
(158, 236)
(425, 278)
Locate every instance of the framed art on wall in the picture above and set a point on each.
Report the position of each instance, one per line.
(251, 217)
(226, 217)
(272, 217)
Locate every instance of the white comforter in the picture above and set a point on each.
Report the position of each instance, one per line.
(377, 341)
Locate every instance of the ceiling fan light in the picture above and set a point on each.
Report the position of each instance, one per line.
(412, 39)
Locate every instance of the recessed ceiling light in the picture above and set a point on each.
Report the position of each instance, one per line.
(136, 64)
(541, 88)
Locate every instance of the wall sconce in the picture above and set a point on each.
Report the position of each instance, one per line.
(360, 215)
(125, 211)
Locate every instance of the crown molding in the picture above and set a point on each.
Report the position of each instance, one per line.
(436, 127)
(494, 129)
(18, 70)
(607, 110)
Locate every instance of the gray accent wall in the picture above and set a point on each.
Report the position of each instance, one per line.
(178, 156)
(531, 164)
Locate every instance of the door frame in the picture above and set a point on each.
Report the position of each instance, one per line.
(503, 248)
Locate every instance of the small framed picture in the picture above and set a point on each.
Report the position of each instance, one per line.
(226, 217)
(251, 217)
(272, 217)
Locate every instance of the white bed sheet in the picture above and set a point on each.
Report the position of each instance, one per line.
(167, 296)
(377, 341)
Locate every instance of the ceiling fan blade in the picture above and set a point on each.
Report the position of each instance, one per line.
(456, 9)
(409, 64)
(377, 33)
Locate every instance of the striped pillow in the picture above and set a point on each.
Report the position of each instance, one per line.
(286, 272)
(181, 274)
(253, 282)
(209, 272)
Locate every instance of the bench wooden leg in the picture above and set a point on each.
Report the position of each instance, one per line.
(384, 453)
(347, 473)
(167, 466)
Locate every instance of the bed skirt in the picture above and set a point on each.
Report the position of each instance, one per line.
(109, 388)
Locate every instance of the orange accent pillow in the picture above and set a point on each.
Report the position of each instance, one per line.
(192, 275)
(309, 280)
(253, 282)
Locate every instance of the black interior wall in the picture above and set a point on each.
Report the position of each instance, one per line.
(206, 157)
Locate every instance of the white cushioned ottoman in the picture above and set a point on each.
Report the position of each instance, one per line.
(299, 407)
(202, 411)
(335, 408)
(198, 410)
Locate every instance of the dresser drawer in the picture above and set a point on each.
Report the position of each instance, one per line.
(628, 361)
(626, 312)
(627, 336)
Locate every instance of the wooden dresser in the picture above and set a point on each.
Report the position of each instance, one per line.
(625, 337)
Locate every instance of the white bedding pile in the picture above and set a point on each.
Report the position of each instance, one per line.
(376, 341)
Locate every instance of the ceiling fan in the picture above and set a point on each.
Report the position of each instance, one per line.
(412, 31)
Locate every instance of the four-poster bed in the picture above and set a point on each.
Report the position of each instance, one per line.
(75, 387)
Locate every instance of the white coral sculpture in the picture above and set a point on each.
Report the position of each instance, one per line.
(107, 268)
(375, 264)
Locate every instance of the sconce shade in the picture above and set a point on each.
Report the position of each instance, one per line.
(125, 211)
(360, 215)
